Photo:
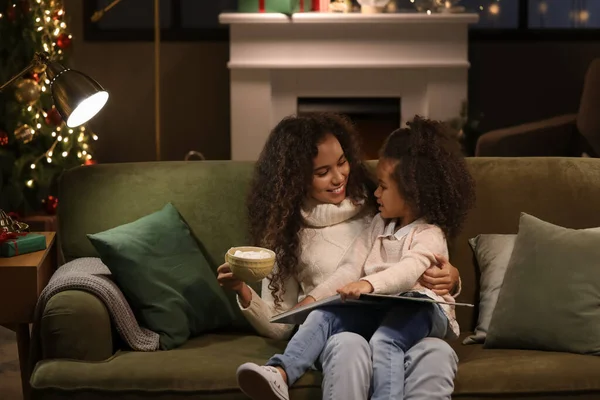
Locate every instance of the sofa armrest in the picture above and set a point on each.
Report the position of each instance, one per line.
(76, 325)
(551, 137)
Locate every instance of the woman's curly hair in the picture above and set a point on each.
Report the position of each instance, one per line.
(431, 173)
(282, 177)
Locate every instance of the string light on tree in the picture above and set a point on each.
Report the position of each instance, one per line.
(31, 129)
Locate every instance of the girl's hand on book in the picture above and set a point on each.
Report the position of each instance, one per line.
(355, 289)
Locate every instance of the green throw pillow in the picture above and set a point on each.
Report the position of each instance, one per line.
(550, 298)
(164, 276)
(492, 252)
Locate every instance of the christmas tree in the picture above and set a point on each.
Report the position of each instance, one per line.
(35, 144)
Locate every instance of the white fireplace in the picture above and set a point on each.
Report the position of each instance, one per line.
(275, 60)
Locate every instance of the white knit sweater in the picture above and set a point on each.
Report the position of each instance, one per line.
(331, 230)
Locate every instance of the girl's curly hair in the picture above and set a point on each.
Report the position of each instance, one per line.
(282, 177)
(431, 174)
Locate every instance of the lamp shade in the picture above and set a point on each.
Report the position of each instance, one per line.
(77, 97)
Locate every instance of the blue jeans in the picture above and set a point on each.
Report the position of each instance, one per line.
(346, 362)
(347, 367)
(391, 331)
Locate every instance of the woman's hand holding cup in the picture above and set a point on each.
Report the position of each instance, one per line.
(227, 280)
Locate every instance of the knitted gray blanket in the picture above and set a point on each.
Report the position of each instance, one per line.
(91, 275)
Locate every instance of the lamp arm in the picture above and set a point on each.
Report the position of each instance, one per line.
(38, 59)
(100, 13)
(17, 76)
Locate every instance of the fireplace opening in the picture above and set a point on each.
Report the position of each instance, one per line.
(375, 118)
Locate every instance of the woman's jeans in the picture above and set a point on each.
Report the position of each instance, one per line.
(429, 369)
(391, 333)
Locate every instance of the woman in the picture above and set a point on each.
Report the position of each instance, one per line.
(310, 199)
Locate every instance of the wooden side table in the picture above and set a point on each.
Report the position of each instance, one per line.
(22, 279)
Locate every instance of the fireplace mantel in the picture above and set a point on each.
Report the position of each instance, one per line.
(345, 18)
(274, 59)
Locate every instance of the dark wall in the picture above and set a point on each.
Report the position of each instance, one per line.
(510, 83)
(518, 82)
(194, 95)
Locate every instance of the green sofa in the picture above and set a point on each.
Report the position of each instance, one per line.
(83, 358)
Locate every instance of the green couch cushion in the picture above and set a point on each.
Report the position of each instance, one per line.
(165, 277)
(524, 374)
(492, 253)
(550, 298)
(202, 368)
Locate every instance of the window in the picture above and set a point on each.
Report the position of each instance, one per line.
(494, 14)
(564, 14)
(185, 20)
(536, 19)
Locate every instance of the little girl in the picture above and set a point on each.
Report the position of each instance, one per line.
(424, 193)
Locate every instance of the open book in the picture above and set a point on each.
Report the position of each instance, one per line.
(298, 315)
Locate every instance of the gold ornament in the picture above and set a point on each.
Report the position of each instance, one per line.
(24, 133)
(7, 224)
(27, 91)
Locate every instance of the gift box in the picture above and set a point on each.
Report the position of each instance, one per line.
(12, 244)
(274, 6)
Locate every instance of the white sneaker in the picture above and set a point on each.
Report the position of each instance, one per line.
(262, 382)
